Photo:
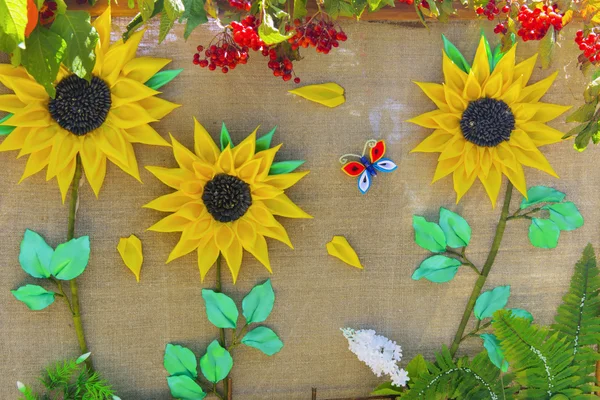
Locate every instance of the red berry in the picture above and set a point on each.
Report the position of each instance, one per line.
(296, 80)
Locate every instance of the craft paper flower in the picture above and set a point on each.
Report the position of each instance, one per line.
(96, 121)
(488, 123)
(226, 199)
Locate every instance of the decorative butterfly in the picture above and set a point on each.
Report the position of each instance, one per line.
(366, 169)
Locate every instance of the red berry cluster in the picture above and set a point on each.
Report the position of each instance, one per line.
(409, 2)
(501, 28)
(245, 33)
(224, 54)
(590, 45)
(281, 65)
(491, 10)
(535, 23)
(320, 33)
(241, 4)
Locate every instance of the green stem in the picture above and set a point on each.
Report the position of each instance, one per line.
(462, 258)
(221, 330)
(489, 262)
(75, 307)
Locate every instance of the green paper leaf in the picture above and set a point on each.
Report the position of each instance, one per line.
(543, 233)
(491, 301)
(438, 269)
(13, 20)
(179, 360)
(6, 129)
(546, 48)
(488, 51)
(520, 313)
(416, 368)
(541, 194)
(225, 138)
(497, 56)
(45, 51)
(264, 142)
(220, 309)
(386, 389)
(184, 388)
(494, 351)
(285, 167)
(35, 255)
(83, 357)
(70, 259)
(166, 23)
(565, 215)
(263, 339)
(216, 363)
(258, 304)
(81, 38)
(456, 229)
(429, 235)
(583, 113)
(269, 33)
(194, 14)
(455, 55)
(35, 297)
(161, 78)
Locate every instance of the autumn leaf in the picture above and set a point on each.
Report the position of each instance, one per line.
(328, 94)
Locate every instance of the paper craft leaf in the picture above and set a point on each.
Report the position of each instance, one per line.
(216, 363)
(70, 259)
(6, 129)
(179, 360)
(340, 248)
(35, 255)
(455, 228)
(543, 233)
(455, 55)
(184, 388)
(225, 138)
(264, 339)
(35, 297)
(417, 367)
(285, 167)
(130, 250)
(520, 313)
(429, 235)
(491, 301)
(220, 309)
(161, 78)
(264, 142)
(438, 269)
(541, 194)
(494, 351)
(565, 215)
(258, 304)
(328, 94)
(386, 389)
(83, 357)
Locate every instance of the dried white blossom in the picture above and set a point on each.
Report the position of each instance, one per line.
(378, 352)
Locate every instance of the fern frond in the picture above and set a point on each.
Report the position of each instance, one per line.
(59, 374)
(97, 388)
(463, 379)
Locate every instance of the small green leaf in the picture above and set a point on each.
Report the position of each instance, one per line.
(264, 142)
(491, 301)
(438, 269)
(216, 363)
(13, 20)
(387, 389)
(179, 360)
(546, 49)
(565, 215)
(495, 353)
(488, 51)
(220, 309)
(455, 55)
(166, 23)
(6, 129)
(456, 229)
(161, 78)
(543, 233)
(194, 14)
(45, 51)
(269, 33)
(520, 313)
(70, 259)
(225, 138)
(264, 339)
(258, 304)
(83, 357)
(285, 167)
(541, 194)
(185, 388)
(416, 368)
(174, 9)
(146, 8)
(35, 297)
(300, 9)
(429, 235)
(35, 255)
(583, 113)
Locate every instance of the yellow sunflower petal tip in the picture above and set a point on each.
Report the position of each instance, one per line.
(328, 94)
(340, 248)
(130, 250)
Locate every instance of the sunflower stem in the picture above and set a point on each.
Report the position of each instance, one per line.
(487, 267)
(221, 330)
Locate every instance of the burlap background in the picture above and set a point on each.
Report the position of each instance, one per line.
(128, 324)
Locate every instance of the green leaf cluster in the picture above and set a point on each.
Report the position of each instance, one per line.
(587, 116)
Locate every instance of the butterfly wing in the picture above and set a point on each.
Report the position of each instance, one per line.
(385, 165)
(353, 168)
(364, 182)
(377, 151)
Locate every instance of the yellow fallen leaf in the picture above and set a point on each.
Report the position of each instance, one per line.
(130, 250)
(329, 94)
(340, 248)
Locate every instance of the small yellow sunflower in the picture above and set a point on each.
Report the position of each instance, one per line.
(488, 122)
(95, 120)
(226, 199)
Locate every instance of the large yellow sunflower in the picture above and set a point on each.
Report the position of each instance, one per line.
(226, 199)
(95, 121)
(488, 122)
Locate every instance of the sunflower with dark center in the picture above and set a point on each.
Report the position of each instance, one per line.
(96, 121)
(225, 201)
(489, 122)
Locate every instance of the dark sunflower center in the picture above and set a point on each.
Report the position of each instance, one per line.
(487, 122)
(227, 198)
(80, 106)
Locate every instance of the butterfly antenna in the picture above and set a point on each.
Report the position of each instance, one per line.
(370, 144)
(344, 158)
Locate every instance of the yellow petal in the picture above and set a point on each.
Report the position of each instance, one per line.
(245, 232)
(261, 214)
(533, 93)
(184, 157)
(492, 183)
(40, 138)
(471, 160)
(445, 168)
(91, 159)
(449, 122)
(481, 64)
(192, 188)
(493, 86)
(535, 159)
(111, 141)
(266, 158)
(65, 177)
(67, 149)
(504, 154)
(463, 181)
(126, 91)
(454, 77)
(233, 256)
(243, 152)
(204, 145)
(207, 255)
(455, 101)
(97, 175)
(472, 89)
(518, 138)
(225, 162)
(547, 112)
(525, 69)
(118, 55)
(11, 103)
(128, 116)
(263, 192)
(158, 108)
(61, 135)
(26, 89)
(260, 251)
(248, 171)
(102, 25)
(436, 93)
(200, 229)
(327, 94)
(182, 248)
(33, 115)
(36, 162)
(224, 236)
(541, 134)
(340, 248)
(130, 250)
(172, 177)
(131, 167)
(284, 207)
(517, 178)
(284, 181)
(276, 232)
(485, 161)
(512, 94)
(16, 139)
(192, 211)
(434, 143)
(426, 120)
(144, 134)
(143, 68)
(170, 223)
(506, 66)
(169, 202)
(454, 148)
(204, 171)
